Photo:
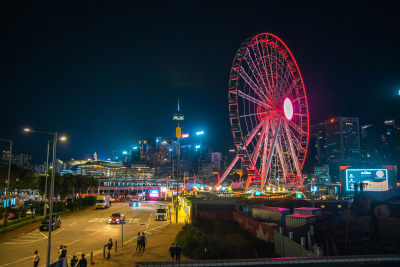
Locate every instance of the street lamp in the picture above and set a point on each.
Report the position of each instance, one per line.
(62, 138)
(54, 134)
(9, 164)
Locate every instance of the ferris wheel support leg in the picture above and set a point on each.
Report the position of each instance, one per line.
(293, 155)
(228, 170)
(270, 156)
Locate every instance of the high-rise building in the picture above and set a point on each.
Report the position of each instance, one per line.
(339, 141)
(21, 160)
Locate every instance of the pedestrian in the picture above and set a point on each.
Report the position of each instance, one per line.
(74, 261)
(172, 251)
(36, 258)
(143, 241)
(178, 253)
(63, 252)
(138, 241)
(60, 250)
(109, 247)
(82, 262)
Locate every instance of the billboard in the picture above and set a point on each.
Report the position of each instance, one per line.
(154, 193)
(373, 179)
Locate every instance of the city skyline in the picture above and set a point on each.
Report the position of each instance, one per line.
(108, 90)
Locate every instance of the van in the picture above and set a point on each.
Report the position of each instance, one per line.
(103, 202)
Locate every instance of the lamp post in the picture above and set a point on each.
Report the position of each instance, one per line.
(9, 164)
(54, 134)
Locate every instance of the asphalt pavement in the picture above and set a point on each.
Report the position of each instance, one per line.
(81, 233)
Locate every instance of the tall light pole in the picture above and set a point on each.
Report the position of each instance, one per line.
(9, 164)
(54, 134)
(47, 175)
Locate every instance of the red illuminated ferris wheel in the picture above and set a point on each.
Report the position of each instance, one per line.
(268, 112)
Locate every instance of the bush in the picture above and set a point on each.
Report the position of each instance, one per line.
(221, 241)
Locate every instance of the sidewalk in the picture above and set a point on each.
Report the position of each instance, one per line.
(157, 248)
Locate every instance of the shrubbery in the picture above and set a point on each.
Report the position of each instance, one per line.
(221, 240)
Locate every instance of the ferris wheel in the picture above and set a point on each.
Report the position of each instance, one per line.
(268, 113)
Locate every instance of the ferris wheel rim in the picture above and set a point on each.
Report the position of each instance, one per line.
(242, 147)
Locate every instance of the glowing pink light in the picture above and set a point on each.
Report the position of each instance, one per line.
(288, 108)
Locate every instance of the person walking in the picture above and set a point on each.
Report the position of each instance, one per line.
(109, 246)
(172, 251)
(138, 241)
(74, 261)
(143, 239)
(178, 253)
(36, 258)
(82, 262)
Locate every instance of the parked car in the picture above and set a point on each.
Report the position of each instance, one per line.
(56, 223)
(134, 203)
(117, 217)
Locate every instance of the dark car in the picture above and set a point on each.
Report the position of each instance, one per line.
(56, 223)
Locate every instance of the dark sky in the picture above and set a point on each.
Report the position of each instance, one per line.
(107, 75)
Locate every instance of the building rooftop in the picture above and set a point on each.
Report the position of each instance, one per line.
(298, 215)
(272, 208)
(307, 208)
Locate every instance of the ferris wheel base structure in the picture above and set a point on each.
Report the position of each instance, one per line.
(268, 113)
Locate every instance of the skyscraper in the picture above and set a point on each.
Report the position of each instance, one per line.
(339, 141)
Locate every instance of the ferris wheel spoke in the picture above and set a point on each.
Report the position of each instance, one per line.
(251, 134)
(258, 146)
(252, 99)
(296, 128)
(256, 73)
(263, 66)
(271, 153)
(270, 84)
(281, 159)
(292, 150)
(256, 88)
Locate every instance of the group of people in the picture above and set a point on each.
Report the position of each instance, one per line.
(75, 262)
(141, 241)
(62, 253)
(175, 252)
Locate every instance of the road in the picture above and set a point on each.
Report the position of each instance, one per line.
(81, 233)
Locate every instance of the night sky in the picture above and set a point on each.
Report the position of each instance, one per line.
(108, 75)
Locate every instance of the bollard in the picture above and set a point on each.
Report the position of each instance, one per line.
(291, 235)
(104, 252)
(116, 245)
(91, 258)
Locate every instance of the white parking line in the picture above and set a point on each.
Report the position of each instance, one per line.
(43, 234)
(72, 242)
(16, 261)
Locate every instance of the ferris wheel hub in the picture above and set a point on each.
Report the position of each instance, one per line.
(288, 108)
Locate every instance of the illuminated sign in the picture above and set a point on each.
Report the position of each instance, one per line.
(185, 135)
(154, 193)
(178, 117)
(372, 179)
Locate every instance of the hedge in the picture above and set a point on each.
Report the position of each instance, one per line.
(20, 224)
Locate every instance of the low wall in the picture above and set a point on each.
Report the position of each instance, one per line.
(261, 230)
(285, 247)
(210, 215)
